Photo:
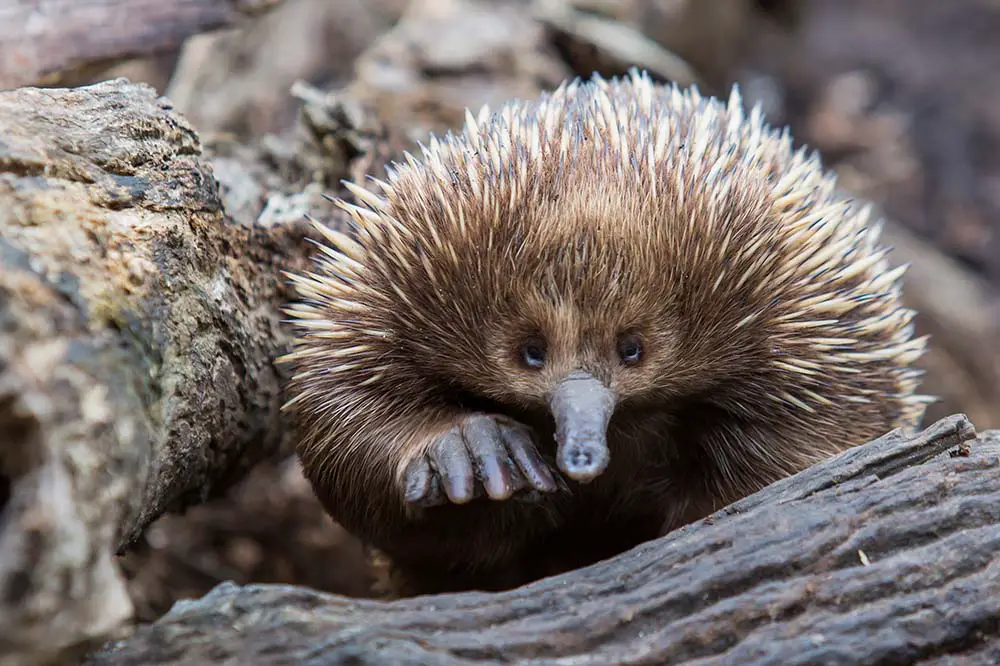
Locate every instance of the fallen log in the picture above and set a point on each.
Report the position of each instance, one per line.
(41, 43)
(138, 325)
(886, 554)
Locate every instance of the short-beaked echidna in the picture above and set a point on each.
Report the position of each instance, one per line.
(586, 320)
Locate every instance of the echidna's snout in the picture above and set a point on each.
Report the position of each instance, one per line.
(582, 406)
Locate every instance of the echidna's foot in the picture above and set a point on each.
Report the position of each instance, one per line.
(484, 455)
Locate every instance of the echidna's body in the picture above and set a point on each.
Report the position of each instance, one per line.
(616, 250)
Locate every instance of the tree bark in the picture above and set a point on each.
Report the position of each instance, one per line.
(886, 554)
(40, 42)
(138, 326)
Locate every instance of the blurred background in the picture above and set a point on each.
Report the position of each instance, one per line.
(900, 97)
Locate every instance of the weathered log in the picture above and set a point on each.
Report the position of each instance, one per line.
(612, 46)
(238, 80)
(138, 326)
(887, 553)
(445, 55)
(42, 42)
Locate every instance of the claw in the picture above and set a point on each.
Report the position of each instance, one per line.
(417, 479)
(483, 439)
(483, 456)
(450, 460)
(522, 451)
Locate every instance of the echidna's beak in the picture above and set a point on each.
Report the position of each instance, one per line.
(582, 406)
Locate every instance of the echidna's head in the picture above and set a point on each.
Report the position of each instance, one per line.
(574, 323)
(612, 244)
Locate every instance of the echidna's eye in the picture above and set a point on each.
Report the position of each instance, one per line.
(533, 353)
(630, 348)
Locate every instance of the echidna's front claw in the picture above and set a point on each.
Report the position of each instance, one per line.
(483, 456)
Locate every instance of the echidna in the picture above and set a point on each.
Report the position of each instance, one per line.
(584, 321)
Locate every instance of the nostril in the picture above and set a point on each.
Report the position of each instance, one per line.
(583, 461)
(582, 458)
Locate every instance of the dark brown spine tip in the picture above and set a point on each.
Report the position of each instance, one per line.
(582, 407)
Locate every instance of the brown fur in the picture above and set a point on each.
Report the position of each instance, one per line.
(763, 355)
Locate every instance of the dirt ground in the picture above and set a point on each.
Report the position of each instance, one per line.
(901, 97)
